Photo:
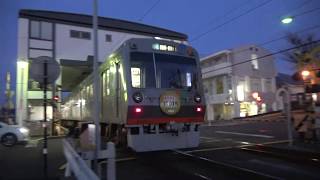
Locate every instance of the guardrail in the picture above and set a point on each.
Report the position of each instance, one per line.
(78, 165)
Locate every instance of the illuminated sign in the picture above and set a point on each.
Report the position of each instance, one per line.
(163, 47)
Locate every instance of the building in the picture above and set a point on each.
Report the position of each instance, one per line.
(296, 89)
(237, 83)
(67, 38)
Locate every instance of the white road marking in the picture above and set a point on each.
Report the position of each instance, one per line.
(231, 147)
(33, 143)
(202, 176)
(244, 134)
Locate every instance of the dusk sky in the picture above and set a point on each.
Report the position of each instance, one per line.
(224, 24)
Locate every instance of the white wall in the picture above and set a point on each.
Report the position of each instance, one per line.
(79, 49)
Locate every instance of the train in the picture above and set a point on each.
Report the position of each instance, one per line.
(151, 96)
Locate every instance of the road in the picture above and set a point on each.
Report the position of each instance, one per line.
(221, 155)
(26, 162)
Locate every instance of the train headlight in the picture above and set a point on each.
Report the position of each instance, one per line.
(137, 97)
(197, 98)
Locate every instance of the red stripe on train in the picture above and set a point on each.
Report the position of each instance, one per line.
(139, 121)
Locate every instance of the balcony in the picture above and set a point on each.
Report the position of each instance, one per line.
(219, 69)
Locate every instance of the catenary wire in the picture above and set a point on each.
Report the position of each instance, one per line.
(228, 12)
(264, 56)
(273, 40)
(228, 21)
(149, 10)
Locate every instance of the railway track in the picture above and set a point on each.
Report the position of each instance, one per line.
(237, 171)
(180, 165)
(307, 158)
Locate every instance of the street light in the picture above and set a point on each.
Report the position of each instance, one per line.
(305, 73)
(287, 20)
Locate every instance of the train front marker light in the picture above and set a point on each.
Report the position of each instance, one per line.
(138, 110)
(137, 97)
(199, 109)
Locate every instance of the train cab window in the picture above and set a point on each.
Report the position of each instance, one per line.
(174, 71)
(142, 70)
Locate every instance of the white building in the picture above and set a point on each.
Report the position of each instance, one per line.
(232, 77)
(67, 38)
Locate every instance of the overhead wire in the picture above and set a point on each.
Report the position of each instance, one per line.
(264, 56)
(229, 12)
(140, 19)
(230, 20)
(149, 10)
(306, 12)
(276, 39)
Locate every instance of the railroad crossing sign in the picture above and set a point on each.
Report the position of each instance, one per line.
(37, 69)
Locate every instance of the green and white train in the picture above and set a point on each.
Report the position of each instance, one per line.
(151, 96)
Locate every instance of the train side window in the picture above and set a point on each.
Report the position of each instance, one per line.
(105, 82)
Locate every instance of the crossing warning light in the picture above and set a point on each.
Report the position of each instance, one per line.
(256, 96)
(56, 98)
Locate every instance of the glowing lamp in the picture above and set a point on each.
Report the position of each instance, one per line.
(255, 95)
(287, 20)
(199, 109)
(138, 110)
(305, 73)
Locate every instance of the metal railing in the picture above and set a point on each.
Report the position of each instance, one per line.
(77, 164)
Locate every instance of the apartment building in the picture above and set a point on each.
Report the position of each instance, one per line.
(238, 82)
(67, 38)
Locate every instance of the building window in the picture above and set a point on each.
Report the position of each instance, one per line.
(268, 85)
(219, 85)
(254, 61)
(80, 34)
(108, 38)
(255, 85)
(41, 30)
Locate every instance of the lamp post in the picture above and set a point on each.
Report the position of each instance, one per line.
(21, 88)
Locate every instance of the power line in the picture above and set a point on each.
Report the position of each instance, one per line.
(267, 55)
(140, 19)
(149, 10)
(230, 20)
(306, 12)
(300, 5)
(229, 12)
(276, 39)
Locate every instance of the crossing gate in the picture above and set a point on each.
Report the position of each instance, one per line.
(303, 121)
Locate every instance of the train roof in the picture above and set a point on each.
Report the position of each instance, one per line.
(104, 23)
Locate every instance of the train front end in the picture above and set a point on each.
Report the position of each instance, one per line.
(166, 103)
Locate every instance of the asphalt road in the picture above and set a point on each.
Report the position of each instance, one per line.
(220, 142)
(26, 162)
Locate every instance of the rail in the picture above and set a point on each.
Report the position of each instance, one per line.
(240, 170)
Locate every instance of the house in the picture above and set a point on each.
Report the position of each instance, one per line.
(239, 82)
(67, 39)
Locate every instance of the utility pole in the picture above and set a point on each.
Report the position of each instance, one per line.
(8, 107)
(96, 84)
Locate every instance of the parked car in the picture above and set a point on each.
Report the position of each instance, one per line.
(13, 134)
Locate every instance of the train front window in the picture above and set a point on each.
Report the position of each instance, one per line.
(142, 70)
(162, 71)
(175, 71)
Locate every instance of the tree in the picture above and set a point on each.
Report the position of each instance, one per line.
(306, 57)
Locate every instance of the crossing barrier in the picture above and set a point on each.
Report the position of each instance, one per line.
(76, 165)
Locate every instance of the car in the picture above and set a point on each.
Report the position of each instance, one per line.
(10, 135)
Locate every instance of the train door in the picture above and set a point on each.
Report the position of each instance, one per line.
(105, 92)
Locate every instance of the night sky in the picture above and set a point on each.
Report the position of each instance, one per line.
(223, 24)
